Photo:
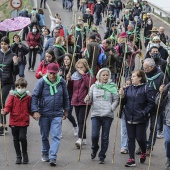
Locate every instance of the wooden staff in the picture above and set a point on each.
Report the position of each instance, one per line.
(117, 123)
(87, 103)
(3, 122)
(67, 42)
(156, 119)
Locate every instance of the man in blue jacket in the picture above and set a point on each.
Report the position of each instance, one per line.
(50, 103)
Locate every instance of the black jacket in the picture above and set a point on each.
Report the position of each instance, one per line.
(59, 55)
(10, 69)
(98, 9)
(77, 51)
(138, 102)
(24, 51)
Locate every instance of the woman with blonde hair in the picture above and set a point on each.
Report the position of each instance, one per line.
(59, 50)
(104, 98)
(81, 79)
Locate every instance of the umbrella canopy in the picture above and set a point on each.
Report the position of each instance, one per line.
(14, 24)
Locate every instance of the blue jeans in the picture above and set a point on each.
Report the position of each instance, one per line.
(116, 13)
(21, 70)
(84, 6)
(160, 122)
(98, 19)
(97, 123)
(52, 126)
(124, 137)
(167, 140)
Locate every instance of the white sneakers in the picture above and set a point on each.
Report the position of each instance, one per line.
(76, 131)
(79, 142)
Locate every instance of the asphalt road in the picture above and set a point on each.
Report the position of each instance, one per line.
(68, 154)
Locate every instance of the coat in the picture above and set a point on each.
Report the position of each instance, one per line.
(10, 69)
(33, 40)
(102, 107)
(80, 89)
(19, 110)
(138, 102)
(48, 105)
(43, 68)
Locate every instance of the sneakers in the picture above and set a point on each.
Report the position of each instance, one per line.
(130, 163)
(93, 154)
(79, 143)
(25, 159)
(76, 131)
(138, 151)
(18, 160)
(101, 161)
(52, 162)
(1, 131)
(32, 70)
(124, 151)
(160, 135)
(142, 158)
(45, 157)
(167, 165)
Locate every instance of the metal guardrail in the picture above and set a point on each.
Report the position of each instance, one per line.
(160, 12)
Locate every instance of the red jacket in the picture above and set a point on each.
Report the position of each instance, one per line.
(19, 109)
(80, 90)
(33, 41)
(43, 68)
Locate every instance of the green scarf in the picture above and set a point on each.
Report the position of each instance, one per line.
(53, 86)
(113, 37)
(78, 29)
(59, 46)
(152, 83)
(2, 65)
(127, 16)
(20, 95)
(111, 87)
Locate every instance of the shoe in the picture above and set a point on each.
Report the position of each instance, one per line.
(84, 142)
(45, 157)
(32, 70)
(19, 160)
(93, 155)
(6, 129)
(29, 69)
(130, 163)
(52, 162)
(1, 131)
(101, 161)
(78, 143)
(76, 131)
(167, 164)
(124, 151)
(159, 135)
(45, 8)
(148, 150)
(25, 159)
(138, 151)
(142, 158)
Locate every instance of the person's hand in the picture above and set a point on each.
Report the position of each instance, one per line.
(141, 61)
(3, 112)
(40, 73)
(65, 114)
(36, 46)
(81, 72)
(87, 98)
(161, 88)
(68, 77)
(15, 59)
(31, 47)
(121, 92)
(36, 116)
(111, 52)
(20, 46)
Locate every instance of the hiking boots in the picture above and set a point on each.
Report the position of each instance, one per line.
(18, 160)
(142, 158)
(130, 163)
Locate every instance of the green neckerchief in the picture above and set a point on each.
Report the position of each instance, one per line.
(113, 37)
(53, 86)
(78, 29)
(1, 66)
(130, 33)
(59, 46)
(91, 72)
(20, 95)
(127, 16)
(152, 80)
(33, 11)
(111, 87)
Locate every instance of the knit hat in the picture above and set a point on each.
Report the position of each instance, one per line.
(52, 68)
(100, 71)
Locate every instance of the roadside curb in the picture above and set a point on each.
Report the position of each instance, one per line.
(161, 19)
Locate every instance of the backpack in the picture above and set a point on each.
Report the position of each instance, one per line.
(33, 17)
(101, 57)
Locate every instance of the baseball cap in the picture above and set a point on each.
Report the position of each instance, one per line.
(52, 68)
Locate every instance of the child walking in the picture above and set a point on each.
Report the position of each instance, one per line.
(18, 105)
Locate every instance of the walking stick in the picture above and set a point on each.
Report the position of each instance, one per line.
(87, 104)
(117, 123)
(157, 112)
(75, 45)
(3, 122)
